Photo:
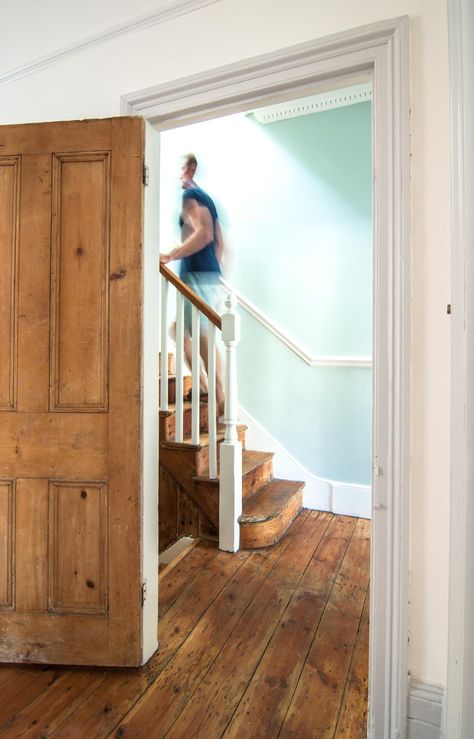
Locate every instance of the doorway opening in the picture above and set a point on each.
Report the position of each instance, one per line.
(292, 183)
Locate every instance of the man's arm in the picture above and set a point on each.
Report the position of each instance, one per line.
(199, 221)
(219, 240)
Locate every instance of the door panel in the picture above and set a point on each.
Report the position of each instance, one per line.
(70, 394)
(9, 215)
(7, 508)
(31, 506)
(78, 585)
(80, 279)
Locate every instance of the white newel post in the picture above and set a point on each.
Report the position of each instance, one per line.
(230, 489)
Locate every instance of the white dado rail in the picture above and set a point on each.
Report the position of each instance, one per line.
(322, 361)
(230, 472)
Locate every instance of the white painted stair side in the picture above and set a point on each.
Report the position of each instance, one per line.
(318, 494)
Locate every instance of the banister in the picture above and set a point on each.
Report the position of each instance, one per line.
(191, 296)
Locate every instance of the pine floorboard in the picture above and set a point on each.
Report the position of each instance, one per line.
(263, 643)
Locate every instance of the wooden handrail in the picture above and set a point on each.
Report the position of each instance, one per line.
(191, 296)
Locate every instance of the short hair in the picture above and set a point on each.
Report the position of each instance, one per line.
(190, 160)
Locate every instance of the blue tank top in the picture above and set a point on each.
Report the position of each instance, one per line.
(205, 259)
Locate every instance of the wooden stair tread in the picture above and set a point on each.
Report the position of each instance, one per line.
(187, 406)
(250, 460)
(269, 501)
(203, 439)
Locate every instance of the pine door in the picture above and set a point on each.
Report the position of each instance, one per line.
(70, 417)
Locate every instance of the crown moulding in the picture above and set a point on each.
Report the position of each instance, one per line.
(314, 104)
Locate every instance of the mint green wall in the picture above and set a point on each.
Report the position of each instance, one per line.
(294, 199)
(321, 415)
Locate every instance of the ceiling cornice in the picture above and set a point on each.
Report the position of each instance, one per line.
(163, 13)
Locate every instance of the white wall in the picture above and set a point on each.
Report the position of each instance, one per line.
(91, 83)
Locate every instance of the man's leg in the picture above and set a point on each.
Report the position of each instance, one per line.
(219, 373)
(188, 347)
(188, 351)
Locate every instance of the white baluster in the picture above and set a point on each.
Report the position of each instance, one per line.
(164, 346)
(196, 367)
(211, 377)
(230, 489)
(179, 365)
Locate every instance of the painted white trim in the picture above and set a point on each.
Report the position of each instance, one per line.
(273, 77)
(459, 715)
(380, 49)
(327, 100)
(149, 399)
(230, 483)
(163, 13)
(319, 493)
(270, 325)
(425, 711)
(175, 549)
(391, 426)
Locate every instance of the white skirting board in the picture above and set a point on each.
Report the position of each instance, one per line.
(175, 549)
(425, 711)
(319, 494)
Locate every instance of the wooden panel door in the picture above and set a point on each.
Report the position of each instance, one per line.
(70, 417)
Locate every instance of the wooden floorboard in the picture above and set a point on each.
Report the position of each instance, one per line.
(264, 643)
(352, 722)
(322, 681)
(264, 705)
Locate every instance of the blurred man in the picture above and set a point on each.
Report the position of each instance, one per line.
(200, 253)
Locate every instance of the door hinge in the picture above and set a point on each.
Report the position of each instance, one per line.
(143, 592)
(146, 175)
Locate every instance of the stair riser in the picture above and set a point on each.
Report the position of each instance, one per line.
(252, 481)
(256, 478)
(187, 385)
(170, 364)
(202, 456)
(266, 533)
(185, 461)
(168, 424)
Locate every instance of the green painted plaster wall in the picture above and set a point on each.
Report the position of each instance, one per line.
(294, 199)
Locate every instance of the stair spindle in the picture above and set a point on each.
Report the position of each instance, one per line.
(196, 371)
(179, 366)
(164, 346)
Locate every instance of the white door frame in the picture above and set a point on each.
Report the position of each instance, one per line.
(380, 49)
(459, 714)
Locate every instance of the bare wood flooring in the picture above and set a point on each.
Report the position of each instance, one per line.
(263, 643)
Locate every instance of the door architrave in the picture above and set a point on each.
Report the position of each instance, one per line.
(458, 715)
(380, 49)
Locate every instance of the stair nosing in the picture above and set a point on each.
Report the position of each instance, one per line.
(206, 478)
(298, 485)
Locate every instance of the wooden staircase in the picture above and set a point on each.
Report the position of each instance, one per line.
(189, 499)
